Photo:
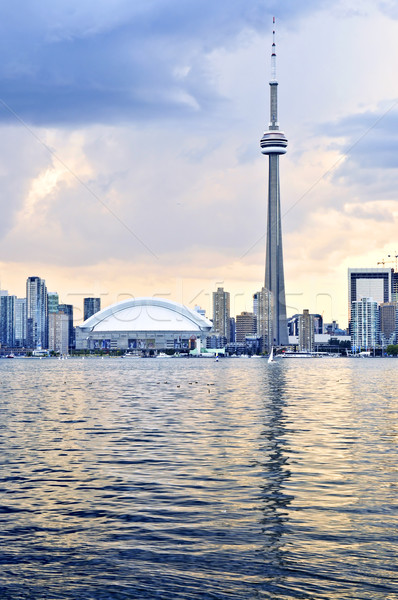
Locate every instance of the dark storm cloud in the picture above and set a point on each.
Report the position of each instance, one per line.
(78, 62)
(370, 144)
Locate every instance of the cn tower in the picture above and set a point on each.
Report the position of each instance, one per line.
(273, 143)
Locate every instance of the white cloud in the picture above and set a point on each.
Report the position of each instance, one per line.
(181, 170)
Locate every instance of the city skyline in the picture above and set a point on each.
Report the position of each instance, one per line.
(196, 85)
(41, 322)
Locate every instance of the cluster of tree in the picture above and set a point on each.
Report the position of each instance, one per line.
(340, 343)
(392, 349)
(336, 345)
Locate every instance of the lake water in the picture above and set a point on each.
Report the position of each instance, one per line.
(192, 479)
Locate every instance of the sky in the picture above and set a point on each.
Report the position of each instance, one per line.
(129, 147)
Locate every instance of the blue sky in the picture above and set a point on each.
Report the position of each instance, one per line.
(129, 152)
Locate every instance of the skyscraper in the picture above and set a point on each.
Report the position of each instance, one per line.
(273, 143)
(364, 324)
(371, 286)
(221, 314)
(36, 313)
(262, 304)
(91, 306)
(246, 324)
(67, 309)
(20, 322)
(7, 320)
(369, 283)
(388, 323)
(52, 301)
(306, 331)
(58, 332)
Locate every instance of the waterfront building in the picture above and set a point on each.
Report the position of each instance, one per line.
(394, 283)
(273, 144)
(216, 341)
(90, 307)
(293, 324)
(334, 329)
(255, 303)
(67, 309)
(2, 293)
(388, 323)
(369, 283)
(7, 321)
(36, 313)
(262, 302)
(221, 314)
(143, 325)
(364, 324)
(246, 325)
(232, 328)
(58, 332)
(20, 322)
(374, 285)
(52, 301)
(306, 331)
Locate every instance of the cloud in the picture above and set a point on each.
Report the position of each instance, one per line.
(156, 108)
(368, 143)
(78, 62)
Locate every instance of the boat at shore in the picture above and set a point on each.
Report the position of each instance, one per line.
(303, 354)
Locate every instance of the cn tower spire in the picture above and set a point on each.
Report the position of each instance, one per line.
(273, 143)
(273, 55)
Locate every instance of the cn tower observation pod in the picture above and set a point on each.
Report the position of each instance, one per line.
(273, 142)
(142, 324)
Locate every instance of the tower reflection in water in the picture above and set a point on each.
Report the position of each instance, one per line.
(273, 461)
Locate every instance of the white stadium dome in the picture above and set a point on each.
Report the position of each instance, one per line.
(142, 323)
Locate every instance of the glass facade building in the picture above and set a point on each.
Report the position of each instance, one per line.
(36, 313)
(364, 325)
(90, 307)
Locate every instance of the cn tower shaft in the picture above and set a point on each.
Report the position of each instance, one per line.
(274, 143)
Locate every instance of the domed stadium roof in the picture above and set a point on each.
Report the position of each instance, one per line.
(146, 314)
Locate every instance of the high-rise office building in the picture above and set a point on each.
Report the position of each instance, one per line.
(90, 307)
(67, 309)
(53, 301)
(262, 304)
(364, 324)
(293, 324)
(255, 303)
(36, 313)
(221, 314)
(246, 324)
(20, 322)
(274, 143)
(369, 283)
(58, 332)
(306, 331)
(2, 294)
(7, 321)
(388, 323)
(373, 285)
(394, 284)
(232, 329)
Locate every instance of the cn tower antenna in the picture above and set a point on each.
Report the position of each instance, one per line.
(273, 55)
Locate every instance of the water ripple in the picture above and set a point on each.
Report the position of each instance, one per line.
(193, 480)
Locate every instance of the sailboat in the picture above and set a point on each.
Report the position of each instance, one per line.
(271, 356)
